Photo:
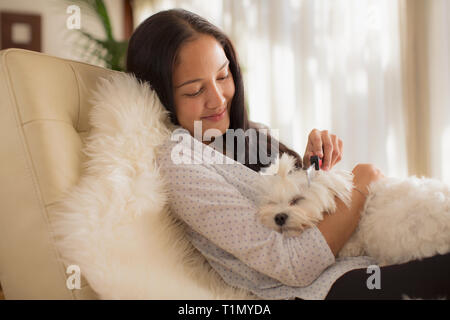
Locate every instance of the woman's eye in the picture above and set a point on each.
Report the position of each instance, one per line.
(295, 200)
(194, 94)
(201, 90)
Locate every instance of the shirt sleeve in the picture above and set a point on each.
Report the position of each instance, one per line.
(213, 207)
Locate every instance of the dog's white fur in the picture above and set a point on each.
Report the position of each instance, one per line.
(115, 223)
(402, 219)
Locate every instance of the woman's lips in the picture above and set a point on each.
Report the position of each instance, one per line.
(217, 117)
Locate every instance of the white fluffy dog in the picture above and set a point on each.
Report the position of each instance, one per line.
(402, 219)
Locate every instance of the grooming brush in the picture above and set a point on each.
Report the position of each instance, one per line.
(316, 163)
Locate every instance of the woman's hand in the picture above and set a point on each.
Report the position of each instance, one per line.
(365, 174)
(324, 145)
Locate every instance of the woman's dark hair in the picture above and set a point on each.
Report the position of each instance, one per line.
(151, 56)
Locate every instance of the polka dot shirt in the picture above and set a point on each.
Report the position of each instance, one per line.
(217, 198)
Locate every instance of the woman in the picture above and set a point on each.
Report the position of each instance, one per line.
(193, 68)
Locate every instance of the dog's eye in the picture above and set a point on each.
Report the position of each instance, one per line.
(296, 200)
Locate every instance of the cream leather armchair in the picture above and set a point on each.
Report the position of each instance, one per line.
(44, 104)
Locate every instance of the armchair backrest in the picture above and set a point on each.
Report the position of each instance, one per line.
(44, 105)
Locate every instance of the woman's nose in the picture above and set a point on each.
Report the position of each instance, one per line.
(215, 98)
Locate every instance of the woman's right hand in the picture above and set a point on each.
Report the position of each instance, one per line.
(365, 174)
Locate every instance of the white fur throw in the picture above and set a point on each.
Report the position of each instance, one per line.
(115, 223)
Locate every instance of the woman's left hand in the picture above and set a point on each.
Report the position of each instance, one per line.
(324, 145)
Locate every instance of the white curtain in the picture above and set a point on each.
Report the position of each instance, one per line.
(327, 64)
(439, 93)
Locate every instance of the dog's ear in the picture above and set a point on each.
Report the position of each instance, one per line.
(283, 166)
(298, 159)
(287, 164)
(270, 170)
(339, 182)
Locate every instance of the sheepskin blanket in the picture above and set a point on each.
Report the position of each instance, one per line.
(115, 223)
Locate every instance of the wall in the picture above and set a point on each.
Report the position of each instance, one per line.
(57, 40)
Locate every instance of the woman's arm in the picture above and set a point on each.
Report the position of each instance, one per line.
(337, 228)
(207, 202)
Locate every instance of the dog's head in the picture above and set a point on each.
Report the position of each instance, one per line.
(289, 205)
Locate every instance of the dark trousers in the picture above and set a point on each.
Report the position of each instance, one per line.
(428, 278)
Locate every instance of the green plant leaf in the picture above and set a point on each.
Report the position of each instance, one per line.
(111, 52)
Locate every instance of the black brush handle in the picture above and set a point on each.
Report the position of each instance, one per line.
(315, 160)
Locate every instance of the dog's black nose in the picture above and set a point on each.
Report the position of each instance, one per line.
(280, 219)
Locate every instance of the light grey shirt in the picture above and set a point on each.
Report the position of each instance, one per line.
(217, 198)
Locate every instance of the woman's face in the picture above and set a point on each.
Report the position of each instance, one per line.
(203, 85)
